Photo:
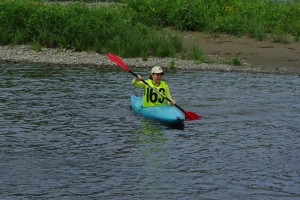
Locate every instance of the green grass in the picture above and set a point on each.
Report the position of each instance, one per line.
(233, 61)
(82, 28)
(196, 53)
(135, 28)
(172, 64)
(256, 18)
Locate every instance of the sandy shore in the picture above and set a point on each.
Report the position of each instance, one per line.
(268, 55)
(256, 56)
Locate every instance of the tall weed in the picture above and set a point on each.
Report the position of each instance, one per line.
(196, 53)
(146, 41)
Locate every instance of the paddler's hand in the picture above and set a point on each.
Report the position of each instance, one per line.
(173, 102)
(138, 78)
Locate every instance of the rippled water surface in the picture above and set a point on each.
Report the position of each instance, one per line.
(69, 132)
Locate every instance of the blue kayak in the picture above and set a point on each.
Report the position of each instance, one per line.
(167, 114)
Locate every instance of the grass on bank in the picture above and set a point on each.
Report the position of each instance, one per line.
(135, 28)
(256, 18)
(82, 28)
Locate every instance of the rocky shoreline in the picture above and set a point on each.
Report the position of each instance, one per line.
(25, 55)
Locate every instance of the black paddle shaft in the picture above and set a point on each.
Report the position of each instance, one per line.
(155, 90)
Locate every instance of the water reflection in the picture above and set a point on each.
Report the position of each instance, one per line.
(151, 132)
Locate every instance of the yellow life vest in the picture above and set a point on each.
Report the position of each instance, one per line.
(152, 98)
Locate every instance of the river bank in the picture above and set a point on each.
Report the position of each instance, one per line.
(266, 55)
(255, 56)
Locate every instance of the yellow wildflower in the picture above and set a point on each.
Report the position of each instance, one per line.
(228, 8)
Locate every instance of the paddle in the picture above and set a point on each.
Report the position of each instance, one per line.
(188, 115)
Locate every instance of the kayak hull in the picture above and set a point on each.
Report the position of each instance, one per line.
(168, 114)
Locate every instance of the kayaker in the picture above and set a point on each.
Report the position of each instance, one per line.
(150, 97)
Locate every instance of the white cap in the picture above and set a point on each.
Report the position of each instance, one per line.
(157, 70)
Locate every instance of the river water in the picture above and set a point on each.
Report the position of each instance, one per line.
(68, 132)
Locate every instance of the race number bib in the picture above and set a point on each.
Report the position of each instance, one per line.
(153, 97)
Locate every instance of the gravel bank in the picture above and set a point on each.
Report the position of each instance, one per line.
(24, 54)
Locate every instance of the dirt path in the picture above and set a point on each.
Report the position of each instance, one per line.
(265, 54)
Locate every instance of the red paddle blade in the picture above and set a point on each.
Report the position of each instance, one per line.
(118, 61)
(191, 115)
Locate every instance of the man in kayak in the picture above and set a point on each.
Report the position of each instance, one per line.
(150, 96)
